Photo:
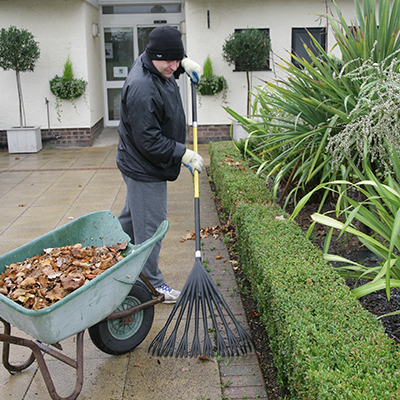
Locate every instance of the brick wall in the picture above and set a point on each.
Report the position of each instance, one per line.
(58, 138)
(85, 137)
(210, 133)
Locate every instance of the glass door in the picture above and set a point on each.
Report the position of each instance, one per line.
(119, 56)
(125, 37)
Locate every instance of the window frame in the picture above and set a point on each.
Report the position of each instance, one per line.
(322, 40)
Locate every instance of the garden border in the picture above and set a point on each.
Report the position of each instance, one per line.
(325, 345)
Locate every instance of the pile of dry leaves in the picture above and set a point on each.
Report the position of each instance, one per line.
(214, 231)
(40, 281)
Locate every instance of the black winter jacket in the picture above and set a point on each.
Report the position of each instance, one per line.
(152, 129)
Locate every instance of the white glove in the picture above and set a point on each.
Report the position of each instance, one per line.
(192, 69)
(192, 160)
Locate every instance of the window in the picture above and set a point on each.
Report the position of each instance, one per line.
(142, 9)
(266, 66)
(301, 37)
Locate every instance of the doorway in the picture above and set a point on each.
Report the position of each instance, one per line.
(125, 35)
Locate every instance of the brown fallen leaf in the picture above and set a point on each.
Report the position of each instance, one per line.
(122, 246)
(188, 236)
(73, 281)
(90, 276)
(254, 313)
(17, 293)
(56, 294)
(29, 281)
(205, 358)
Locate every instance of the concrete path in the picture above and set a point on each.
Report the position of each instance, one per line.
(39, 192)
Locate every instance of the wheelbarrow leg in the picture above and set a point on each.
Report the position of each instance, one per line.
(6, 353)
(37, 349)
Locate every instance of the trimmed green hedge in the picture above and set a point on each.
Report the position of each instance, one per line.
(325, 345)
(232, 177)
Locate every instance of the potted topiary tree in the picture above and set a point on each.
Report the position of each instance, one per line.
(247, 50)
(19, 51)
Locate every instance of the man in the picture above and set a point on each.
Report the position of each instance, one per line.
(151, 148)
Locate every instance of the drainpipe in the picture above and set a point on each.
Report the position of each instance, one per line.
(48, 124)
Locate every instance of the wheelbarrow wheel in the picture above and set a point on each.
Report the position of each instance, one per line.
(115, 336)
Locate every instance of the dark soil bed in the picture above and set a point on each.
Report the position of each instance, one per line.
(350, 248)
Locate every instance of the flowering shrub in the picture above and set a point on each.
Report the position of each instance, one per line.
(375, 118)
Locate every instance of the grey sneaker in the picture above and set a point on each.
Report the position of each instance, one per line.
(171, 295)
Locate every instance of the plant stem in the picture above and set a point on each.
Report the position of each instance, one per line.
(248, 93)
(22, 118)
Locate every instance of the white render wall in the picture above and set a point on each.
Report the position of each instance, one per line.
(280, 16)
(62, 28)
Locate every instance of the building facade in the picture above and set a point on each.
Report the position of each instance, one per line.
(104, 37)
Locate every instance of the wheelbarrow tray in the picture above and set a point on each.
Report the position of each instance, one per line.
(93, 301)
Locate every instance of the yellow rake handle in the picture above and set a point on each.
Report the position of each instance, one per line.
(196, 173)
(195, 146)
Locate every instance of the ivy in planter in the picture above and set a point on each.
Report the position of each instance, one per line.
(66, 87)
(211, 84)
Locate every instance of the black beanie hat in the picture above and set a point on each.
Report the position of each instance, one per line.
(165, 44)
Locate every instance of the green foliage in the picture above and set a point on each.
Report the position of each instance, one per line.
(380, 212)
(208, 68)
(325, 345)
(371, 32)
(294, 121)
(66, 87)
(19, 51)
(234, 177)
(248, 50)
(211, 84)
(68, 73)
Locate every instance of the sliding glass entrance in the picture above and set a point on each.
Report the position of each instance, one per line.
(125, 34)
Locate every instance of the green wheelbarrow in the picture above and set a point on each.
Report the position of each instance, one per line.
(115, 307)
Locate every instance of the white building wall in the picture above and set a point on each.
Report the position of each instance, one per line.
(226, 16)
(94, 65)
(62, 28)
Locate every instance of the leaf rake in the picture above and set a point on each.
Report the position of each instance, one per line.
(201, 294)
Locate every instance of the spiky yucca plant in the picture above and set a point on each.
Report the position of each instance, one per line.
(293, 120)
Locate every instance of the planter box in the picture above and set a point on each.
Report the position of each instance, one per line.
(24, 140)
(238, 132)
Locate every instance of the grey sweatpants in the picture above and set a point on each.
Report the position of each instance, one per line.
(144, 210)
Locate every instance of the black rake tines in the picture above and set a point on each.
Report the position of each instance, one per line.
(201, 294)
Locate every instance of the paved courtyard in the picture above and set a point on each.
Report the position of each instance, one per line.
(39, 192)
